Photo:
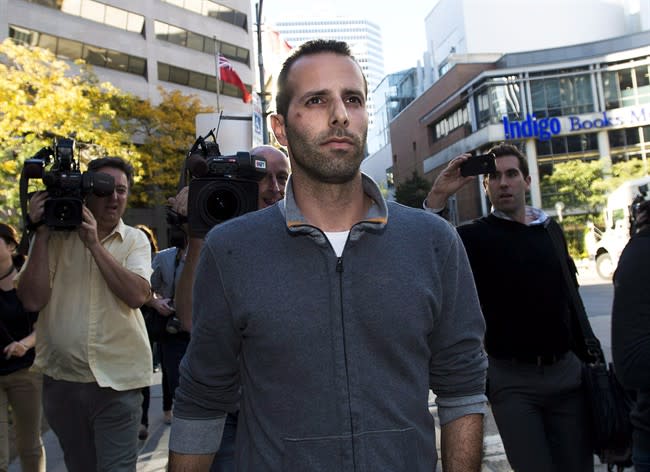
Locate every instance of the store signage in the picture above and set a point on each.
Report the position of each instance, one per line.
(542, 129)
(545, 128)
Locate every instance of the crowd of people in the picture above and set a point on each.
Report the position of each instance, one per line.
(289, 338)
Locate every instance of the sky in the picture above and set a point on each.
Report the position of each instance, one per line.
(401, 22)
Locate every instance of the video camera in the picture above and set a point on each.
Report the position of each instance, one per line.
(66, 185)
(221, 187)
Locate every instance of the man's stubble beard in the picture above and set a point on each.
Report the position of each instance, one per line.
(320, 167)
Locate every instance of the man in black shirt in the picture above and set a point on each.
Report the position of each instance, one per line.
(631, 332)
(534, 379)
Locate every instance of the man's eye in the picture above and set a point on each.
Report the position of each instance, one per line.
(314, 101)
(356, 100)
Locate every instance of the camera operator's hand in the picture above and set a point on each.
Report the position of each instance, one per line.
(88, 228)
(36, 208)
(179, 202)
(162, 306)
(448, 182)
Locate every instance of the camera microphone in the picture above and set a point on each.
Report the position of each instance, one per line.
(197, 165)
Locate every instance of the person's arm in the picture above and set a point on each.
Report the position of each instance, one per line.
(19, 348)
(461, 444)
(183, 292)
(189, 462)
(209, 385)
(458, 364)
(128, 286)
(33, 287)
(448, 182)
(185, 282)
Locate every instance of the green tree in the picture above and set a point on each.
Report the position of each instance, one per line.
(43, 96)
(413, 191)
(167, 133)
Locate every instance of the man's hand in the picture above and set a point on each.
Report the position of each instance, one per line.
(448, 182)
(162, 306)
(36, 208)
(88, 228)
(179, 202)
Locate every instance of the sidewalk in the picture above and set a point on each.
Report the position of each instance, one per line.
(153, 450)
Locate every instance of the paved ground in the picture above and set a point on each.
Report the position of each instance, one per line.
(597, 295)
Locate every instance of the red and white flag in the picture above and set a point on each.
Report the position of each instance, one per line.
(228, 74)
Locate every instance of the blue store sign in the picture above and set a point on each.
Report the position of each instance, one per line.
(545, 128)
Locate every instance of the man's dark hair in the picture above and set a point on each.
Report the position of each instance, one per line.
(315, 46)
(114, 162)
(510, 150)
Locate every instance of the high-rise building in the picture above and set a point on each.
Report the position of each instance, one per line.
(363, 36)
(139, 46)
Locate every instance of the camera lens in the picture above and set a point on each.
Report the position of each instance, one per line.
(221, 202)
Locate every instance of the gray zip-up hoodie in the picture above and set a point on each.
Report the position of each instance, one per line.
(330, 358)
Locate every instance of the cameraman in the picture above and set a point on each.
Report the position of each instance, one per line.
(270, 190)
(92, 344)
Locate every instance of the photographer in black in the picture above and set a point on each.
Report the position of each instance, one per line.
(91, 342)
(271, 189)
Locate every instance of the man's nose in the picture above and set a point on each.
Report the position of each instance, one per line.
(339, 113)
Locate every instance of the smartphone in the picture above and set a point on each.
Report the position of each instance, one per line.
(481, 164)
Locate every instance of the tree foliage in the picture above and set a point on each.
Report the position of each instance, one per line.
(585, 185)
(413, 191)
(167, 133)
(44, 97)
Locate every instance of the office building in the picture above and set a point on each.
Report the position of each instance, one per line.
(589, 101)
(363, 36)
(140, 46)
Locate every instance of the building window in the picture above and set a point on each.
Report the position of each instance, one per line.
(98, 12)
(574, 144)
(177, 75)
(214, 10)
(561, 96)
(496, 98)
(198, 42)
(450, 122)
(627, 87)
(73, 50)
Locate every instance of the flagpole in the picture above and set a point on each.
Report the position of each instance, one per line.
(217, 54)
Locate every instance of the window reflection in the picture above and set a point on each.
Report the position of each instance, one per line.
(72, 50)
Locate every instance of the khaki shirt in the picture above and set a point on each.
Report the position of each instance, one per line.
(86, 333)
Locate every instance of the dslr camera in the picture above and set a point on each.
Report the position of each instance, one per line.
(66, 185)
(221, 187)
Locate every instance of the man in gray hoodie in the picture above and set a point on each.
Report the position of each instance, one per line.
(373, 304)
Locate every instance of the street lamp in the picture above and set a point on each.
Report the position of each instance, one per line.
(260, 63)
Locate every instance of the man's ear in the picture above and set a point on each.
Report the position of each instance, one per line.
(277, 123)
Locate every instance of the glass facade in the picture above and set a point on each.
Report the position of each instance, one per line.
(560, 96)
(98, 12)
(188, 39)
(214, 10)
(496, 97)
(73, 50)
(627, 86)
(189, 78)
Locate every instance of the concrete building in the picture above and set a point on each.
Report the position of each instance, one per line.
(363, 36)
(460, 27)
(588, 101)
(139, 46)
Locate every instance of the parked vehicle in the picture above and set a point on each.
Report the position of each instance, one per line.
(605, 246)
